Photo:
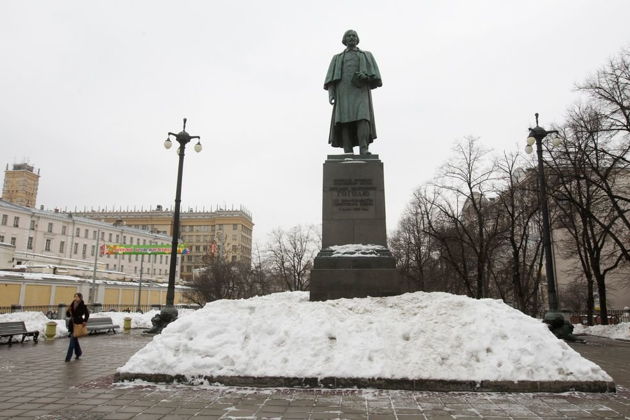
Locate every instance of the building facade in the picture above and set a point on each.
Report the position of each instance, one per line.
(68, 242)
(30, 290)
(20, 185)
(226, 233)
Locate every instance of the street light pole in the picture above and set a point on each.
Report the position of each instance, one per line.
(553, 317)
(169, 312)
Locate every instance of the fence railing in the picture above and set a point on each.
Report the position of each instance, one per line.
(59, 311)
(615, 316)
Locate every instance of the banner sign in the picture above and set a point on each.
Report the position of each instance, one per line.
(118, 249)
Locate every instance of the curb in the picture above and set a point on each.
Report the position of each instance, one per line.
(437, 385)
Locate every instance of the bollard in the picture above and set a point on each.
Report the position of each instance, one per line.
(127, 324)
(51, 330)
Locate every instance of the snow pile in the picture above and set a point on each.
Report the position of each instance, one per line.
(357, 250)
(138, 320)
(35, 321)
(618, 331)
(415, 336)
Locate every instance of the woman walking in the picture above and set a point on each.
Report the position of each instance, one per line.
(79, 315)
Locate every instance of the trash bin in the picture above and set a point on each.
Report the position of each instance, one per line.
(127, 324)
(51, 330)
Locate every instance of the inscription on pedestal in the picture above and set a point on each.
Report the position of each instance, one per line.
(353, 195)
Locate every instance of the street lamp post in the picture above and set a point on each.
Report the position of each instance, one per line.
(553, 317)
(169, 312)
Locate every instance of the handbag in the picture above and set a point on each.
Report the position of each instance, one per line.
(79, 330)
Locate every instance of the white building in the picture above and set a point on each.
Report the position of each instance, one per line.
(65, 242)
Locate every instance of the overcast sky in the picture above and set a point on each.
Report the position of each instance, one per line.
(88, 91)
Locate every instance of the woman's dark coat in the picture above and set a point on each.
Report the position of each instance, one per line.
(78, 315)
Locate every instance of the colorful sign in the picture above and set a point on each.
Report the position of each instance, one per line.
(121, 249)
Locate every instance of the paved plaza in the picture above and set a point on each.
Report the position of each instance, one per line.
(37, 384)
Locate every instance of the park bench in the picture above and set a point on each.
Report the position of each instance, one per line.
(9, 329)
(95, 325)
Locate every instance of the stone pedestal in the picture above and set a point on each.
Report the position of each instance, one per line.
(353, 214)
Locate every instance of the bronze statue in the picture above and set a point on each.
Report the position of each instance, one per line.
(351, 76)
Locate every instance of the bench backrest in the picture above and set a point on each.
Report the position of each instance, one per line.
(100, 321)
(13, 327)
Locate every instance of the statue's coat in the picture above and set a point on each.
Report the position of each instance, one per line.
(368, 67)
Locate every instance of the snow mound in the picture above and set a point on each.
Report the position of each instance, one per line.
(138, 320)
(413, 336)
(35, 321)
(356, 250)
(619, 331)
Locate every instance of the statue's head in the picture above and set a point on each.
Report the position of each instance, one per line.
(350, 38)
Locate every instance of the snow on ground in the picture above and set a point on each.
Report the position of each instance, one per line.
(415, 336)
(35, 321)
(356, 250)
(138, 320)
(618, 331)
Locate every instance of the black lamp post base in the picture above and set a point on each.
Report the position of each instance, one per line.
(559, 326)
(167, 315)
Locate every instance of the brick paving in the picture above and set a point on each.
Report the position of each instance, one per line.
(37, 384)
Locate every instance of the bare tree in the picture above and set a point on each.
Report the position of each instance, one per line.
(466, 223)
(290, 255)
(521, 250)
(587, 216)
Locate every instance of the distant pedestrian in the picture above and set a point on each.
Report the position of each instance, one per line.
(78, 314)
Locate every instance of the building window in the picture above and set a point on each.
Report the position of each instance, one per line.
(138, 241)
(161, 258)
(32, 224)
(62, 245)
(124, 239)
(122, 268)
(117, 238)
(29, 244)
(78, 233)
(63, 230)
(76, 249)
(135, 270)
(4, 219)
(129, 257)
(102, 236)
(110, 238)
(93, 250)
(233, 258)
(114, 267)
(13, 240)
(86, 233)
(107, 266)
(154, 271)
(16, 221)
(47, 247)
(144, 242)
(234, 227)
(1, 238)
(84, 251)
(136, 257)
(160, 271)
(94, 233)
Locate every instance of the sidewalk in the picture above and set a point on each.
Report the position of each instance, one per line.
(37, 384)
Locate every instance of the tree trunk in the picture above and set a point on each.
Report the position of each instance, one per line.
(601, 289)
(590, 301)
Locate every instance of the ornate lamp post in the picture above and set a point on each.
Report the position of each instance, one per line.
(552, 317)
(169, 312)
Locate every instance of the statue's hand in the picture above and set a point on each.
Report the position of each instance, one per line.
(331, 95)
